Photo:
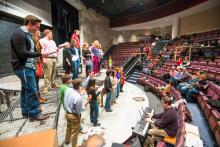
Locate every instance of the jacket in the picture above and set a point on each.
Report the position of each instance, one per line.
(20, 49)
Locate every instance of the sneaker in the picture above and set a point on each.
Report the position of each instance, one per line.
(109, 110)
(97, 124)
(39, 117)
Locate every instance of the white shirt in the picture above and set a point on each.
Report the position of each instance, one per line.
(73, 101)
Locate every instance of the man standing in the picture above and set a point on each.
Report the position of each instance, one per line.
(74, 106)
(166, 123)
(50, 62)
(23, 63)
(108, 88)
(75, 38)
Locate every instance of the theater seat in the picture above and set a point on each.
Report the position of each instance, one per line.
(217, 133)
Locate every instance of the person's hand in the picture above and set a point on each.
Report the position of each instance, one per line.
(89, 97)
(149, 115)
(148, 120)
(44, 54)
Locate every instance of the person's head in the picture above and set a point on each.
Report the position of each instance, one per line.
(187, 58)
(91, 74)
(76, 32)
(173, 68)
(122, 68)
(117, 69)
(66, 79)
(36, 36)
(113, 73)
(91, 85)
(108, 73)
(48, 33)
(96, 44)
(202, 75)
(67, 45)
(85, 46)
(166, 102)
(73, 43)
(76, 83)
(32, 23)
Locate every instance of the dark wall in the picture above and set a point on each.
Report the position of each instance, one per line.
(8, 24)
(6, 29)
(65, 20)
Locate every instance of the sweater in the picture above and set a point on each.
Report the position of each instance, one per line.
(168, 121)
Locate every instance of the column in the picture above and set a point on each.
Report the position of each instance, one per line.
(175, 27)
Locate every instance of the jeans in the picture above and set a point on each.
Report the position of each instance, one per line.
(118, 90)
(190, 92)
(108, 101)
(75, 68)
(94, 112)
(28, 98)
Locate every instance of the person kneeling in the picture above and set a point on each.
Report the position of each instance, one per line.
(166, 123)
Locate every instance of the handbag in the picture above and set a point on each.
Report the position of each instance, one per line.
(39, 70)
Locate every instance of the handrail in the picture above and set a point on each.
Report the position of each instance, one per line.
(126, 64)
(132, 65)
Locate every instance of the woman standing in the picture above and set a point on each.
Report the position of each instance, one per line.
(95, 57)
(87, 58)
(67, 58)
(39, 65)
(94, 107)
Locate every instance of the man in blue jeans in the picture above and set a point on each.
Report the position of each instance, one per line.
(23, 64)
(108, 88)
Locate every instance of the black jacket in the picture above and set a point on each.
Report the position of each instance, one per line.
(20, 49)
(108, 84)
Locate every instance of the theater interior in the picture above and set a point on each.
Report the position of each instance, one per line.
(161, 49)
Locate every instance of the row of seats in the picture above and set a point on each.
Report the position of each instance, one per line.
(212, 114)
(154, 83)
(212, 69)
(197, 38)
(123, 51)
(213, 92)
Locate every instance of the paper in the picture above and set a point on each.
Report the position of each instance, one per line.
(100, 88)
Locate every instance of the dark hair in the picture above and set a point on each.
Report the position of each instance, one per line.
(113, 73)
(91, 85)
(108, 72)
(31, 19)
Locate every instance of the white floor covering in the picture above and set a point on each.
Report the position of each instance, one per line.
(115, 125)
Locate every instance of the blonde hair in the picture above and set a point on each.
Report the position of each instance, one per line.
(85, 46)
(46, 31)
(36, 36)
(96, 43)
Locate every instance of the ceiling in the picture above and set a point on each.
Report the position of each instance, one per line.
(121, 8)
(169, 20)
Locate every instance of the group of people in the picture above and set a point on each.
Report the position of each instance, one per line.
(91, 56)
(29, 55)
(71, 98)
